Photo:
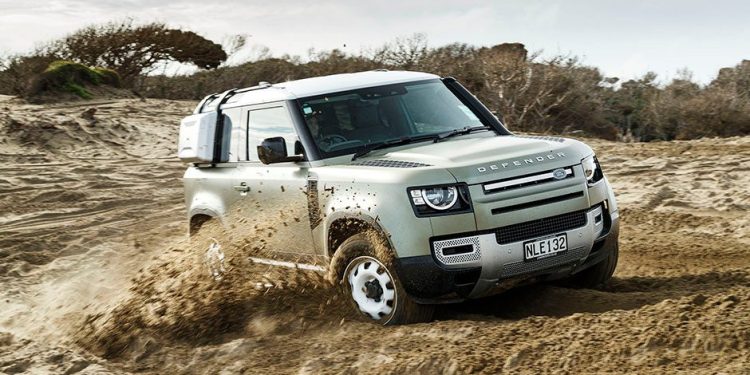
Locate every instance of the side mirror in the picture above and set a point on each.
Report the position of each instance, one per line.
(273, 150)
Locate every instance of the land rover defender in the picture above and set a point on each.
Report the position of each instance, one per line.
(464, 207)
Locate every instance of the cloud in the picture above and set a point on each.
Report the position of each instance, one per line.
(620, 37)
(632, 66)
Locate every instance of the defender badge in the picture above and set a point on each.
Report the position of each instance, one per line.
(519, 163)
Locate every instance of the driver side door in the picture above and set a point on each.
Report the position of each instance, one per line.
(273, 204)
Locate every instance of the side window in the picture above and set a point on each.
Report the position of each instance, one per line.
(234, 134)
(267, 123)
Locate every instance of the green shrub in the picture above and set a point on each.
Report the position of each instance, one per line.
(108, 77)
(78, 90)
(62, 72)
(72, 77)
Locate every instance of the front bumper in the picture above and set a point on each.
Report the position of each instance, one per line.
(496, 259)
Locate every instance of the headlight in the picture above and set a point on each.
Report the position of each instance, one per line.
(440, 200)
(591, 169)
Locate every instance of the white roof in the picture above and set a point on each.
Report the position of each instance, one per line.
(326, 84)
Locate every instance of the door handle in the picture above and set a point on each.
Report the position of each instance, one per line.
(242, 187)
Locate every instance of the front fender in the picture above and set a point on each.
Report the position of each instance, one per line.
(371, 221)
(407, 234)
(377, 196)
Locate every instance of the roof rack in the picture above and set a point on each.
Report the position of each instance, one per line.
(261, 85)
(199, 107)
(224, 96)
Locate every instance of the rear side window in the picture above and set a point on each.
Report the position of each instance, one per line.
(268, 123)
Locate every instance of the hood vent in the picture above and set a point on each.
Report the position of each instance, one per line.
(542, 137)
(390, 164)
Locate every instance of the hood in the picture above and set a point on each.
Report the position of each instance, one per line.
(486, 157)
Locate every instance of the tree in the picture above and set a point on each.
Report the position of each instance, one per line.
(134, 50)
(16, 72)
(735, 79)
(628, 107)
(404, 53)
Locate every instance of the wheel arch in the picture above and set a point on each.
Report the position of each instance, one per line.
(200, 216)
(196, 222)
(343, 226)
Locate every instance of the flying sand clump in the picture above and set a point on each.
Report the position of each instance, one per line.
(201, 290)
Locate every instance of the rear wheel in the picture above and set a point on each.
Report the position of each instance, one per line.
(370, 283)
(598, 274)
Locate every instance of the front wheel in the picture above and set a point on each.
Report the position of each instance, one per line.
(371, 284)
(598, 274)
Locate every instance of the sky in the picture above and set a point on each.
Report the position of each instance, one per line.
(623, 39)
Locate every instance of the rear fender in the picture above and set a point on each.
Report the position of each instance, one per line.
(204, 203)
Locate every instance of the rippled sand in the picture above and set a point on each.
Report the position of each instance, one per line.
(97, 275)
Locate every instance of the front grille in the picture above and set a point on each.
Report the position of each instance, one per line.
(528, 180)
(540, 227)
(560, 198)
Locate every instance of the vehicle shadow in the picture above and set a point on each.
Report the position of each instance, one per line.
(627, 293)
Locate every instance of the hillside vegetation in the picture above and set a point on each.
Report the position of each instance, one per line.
(548, 95)
(558, 95)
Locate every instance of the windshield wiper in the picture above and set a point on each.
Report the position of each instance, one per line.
(394, 142)
(405, 140)
(462, 131)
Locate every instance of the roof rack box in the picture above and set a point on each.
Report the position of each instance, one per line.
(197, 136)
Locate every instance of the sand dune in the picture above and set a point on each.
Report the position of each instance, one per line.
(97, 276)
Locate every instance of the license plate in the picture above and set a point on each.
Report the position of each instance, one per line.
(545, 247)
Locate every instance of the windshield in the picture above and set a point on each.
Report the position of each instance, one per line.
(346, 122)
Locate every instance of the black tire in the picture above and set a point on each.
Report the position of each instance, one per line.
(360, 249)
(598, 274)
